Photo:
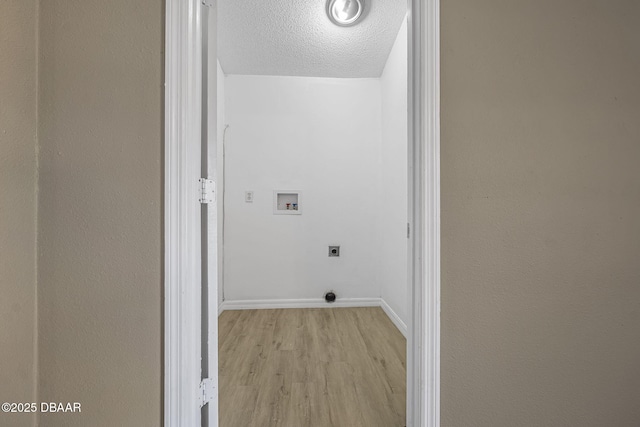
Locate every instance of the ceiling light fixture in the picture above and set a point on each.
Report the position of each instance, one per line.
(345, 12)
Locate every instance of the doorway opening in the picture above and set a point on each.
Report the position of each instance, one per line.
(188, 262)
(313, 181)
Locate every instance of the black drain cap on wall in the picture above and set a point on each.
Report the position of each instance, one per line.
(330, 297)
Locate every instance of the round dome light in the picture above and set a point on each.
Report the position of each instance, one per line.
(345, 12)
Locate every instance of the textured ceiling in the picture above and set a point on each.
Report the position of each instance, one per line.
(296, 38)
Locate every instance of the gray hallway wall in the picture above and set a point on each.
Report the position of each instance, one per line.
(18, 31)
(100, 252)
(540, 213)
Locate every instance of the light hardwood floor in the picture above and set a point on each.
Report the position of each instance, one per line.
(325, 367)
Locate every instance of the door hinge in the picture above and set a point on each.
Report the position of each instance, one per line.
(207, 190)
(208, 3)
(206, 391)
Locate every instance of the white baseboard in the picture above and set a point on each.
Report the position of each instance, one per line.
(297, 303)
(314, 303)
(402, 327)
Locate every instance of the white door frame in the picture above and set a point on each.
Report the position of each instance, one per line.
(182, 261)
(182, 275)
(423, 353)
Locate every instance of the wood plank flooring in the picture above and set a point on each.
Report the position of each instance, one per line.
(325, 367)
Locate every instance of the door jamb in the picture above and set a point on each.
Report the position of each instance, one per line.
(182, 281)
(423, 355)
(182, 260)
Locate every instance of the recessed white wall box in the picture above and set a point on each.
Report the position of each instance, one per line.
(287, 202)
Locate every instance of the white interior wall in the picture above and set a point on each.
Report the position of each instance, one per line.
(343, 143)
(319, 136)
(392, 213)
